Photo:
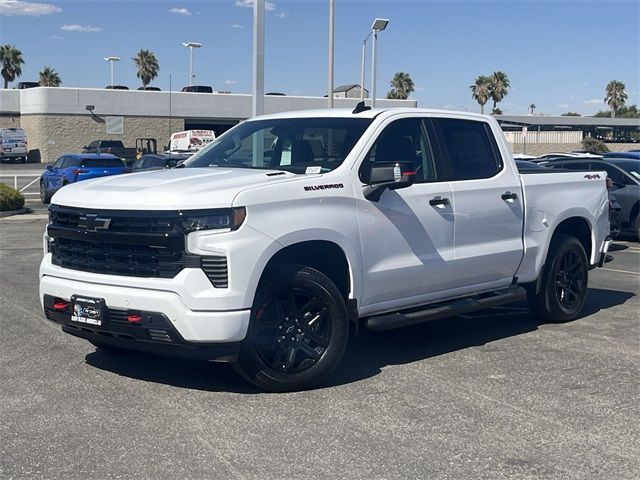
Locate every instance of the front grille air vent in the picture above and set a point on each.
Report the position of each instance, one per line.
(216, 270)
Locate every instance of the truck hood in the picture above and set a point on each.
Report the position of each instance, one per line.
(174, 189)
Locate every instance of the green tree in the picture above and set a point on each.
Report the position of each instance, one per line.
(11, 61)
(401, 86)
(594, 145)
(48, 77)
(496, 111)
(498, 87)
(571, 114)
(532, 107)
(147, 65)
(480, 91)
(615, 96)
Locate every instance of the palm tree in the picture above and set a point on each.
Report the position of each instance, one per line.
(11, 61)
(615, 96)
(147, 64)
(498, 87)
(401, 86)
(532, 107)
(480, 91)
(49, 78)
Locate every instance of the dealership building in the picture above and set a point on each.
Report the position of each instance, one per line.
(60, 120)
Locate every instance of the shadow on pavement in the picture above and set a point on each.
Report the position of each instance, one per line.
(368, 352)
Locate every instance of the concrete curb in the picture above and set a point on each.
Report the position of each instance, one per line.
(9, 213)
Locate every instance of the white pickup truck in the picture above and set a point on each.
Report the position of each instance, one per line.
(269, 246)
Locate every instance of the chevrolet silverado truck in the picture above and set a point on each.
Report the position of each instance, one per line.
(270, 246)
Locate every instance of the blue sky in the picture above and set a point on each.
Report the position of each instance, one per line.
(558, 54)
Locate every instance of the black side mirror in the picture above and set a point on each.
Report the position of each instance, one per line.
(387, 175)
(49, 167)
(172, 163)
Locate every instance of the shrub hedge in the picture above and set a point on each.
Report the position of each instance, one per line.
(10, 198)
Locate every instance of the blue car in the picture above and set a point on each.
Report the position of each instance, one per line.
(75, 167)
(631, 154)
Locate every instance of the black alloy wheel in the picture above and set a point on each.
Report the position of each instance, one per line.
(293, 330)
(560, 294)
(570, 279)
(298, 331)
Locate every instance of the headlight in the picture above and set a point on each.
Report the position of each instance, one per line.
(230, 219)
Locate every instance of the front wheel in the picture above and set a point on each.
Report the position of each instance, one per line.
(45, 197)
(298, 331)
(564, 283)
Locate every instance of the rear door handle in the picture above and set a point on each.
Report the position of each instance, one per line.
(509, 196)
(439, 202)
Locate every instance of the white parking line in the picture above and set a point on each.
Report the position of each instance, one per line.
(621, 271)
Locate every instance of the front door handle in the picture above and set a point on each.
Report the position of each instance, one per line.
(509, 196)
(439, 202)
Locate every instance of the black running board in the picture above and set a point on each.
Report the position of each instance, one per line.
(455, 307)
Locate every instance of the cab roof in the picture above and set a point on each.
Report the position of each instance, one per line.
(372, 113)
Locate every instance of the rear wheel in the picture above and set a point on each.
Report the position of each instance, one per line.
(45, 197)
(298, 332)
(564, 283)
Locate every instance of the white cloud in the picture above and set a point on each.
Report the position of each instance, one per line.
(419, 89)
(230, 82)
(235, 25)
(593, 101)
(180, 11)
(16, 7)
(57, 37)
(268, 6)
(282, 14)
(586, 84)
(80, 28)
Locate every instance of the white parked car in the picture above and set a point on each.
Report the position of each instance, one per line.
(13, 145)
(246, 255)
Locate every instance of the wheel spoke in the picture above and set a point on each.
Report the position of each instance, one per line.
(312, 353)
(292, 305)
(311, 334)
(291, 358)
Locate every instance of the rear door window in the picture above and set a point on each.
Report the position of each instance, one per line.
(469, 148)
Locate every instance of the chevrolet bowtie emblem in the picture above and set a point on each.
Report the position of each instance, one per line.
(92, 223)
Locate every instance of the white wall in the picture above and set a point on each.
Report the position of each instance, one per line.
(60, 100)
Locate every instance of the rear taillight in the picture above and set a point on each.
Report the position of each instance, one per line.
(78, 171)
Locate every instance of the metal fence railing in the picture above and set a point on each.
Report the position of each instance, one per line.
(25, 183)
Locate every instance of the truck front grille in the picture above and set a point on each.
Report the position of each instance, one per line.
(118, 258)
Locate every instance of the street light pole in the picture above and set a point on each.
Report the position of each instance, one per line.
(331, 27)
(362, 66)
(111, 60)
(379, 24)
(191, 46)
(257, 107)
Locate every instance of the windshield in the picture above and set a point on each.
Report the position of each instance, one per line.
(630, 166)
(297, 145)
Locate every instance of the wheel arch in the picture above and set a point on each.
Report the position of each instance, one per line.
(325, 256)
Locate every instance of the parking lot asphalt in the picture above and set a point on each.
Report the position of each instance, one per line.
(495, 394)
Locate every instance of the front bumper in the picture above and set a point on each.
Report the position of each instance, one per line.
(193, 326)
(153, 334)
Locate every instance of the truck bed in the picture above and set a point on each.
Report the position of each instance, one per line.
(546, 197)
